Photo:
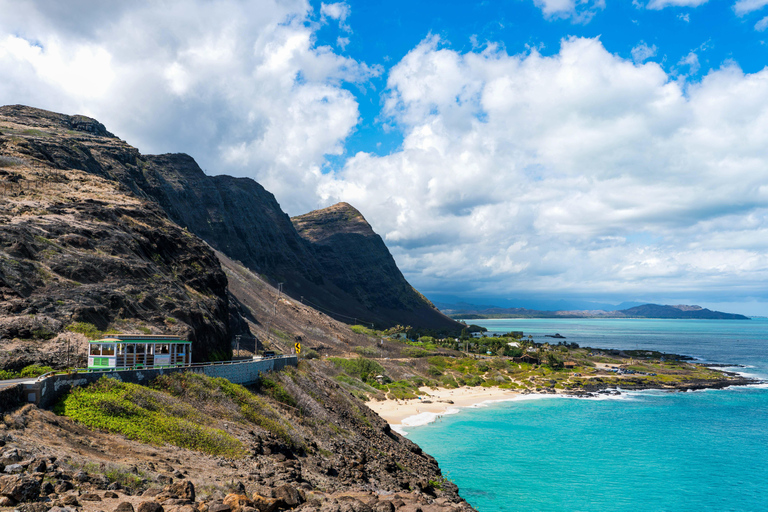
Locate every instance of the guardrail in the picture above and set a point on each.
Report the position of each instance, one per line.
(48, 387)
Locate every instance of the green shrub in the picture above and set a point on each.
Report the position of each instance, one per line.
(361, 367)
(146, 415)
(360, 329)
(35, 371)
(90, 331)
(5, 375)
(366, 351)
(415, 352)
(276, 390)
(311, 354)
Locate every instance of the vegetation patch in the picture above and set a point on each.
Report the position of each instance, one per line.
(147, 415)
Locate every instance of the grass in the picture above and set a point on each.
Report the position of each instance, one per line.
(10, 161)
(181, 409)
(92, 332)
(360, 329)
(147, 415)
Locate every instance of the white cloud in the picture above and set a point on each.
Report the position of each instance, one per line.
(691, 61)
(684, 17)
(643, 52)
(339, 11)
(761, 25)
(580, 11)
(661, 4)
(239, 85)
(742, 7)
(534, 173)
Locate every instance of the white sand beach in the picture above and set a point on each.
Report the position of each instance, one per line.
(436, 402)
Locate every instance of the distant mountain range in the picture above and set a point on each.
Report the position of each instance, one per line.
(461, 311)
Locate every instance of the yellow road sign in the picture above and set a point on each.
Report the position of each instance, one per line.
(297, 346)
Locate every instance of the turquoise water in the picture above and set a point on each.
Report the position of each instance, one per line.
(651, 450)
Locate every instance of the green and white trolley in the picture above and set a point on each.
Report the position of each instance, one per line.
(123, 351)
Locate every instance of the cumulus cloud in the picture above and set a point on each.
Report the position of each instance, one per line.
(743, 7)
(643, 52)
(575, 172)
(240, 85)
(661, 4)
(580, 11)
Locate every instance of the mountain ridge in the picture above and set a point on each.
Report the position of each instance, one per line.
(234, 215)
(679, 311)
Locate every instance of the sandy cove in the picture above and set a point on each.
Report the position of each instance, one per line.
(395, 411)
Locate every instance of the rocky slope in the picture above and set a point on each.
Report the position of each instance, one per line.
(340, 457)
(79, 252)
(234, 215)
(355, 259)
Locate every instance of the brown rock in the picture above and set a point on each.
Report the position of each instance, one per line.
(237, 502)
(70, 500)
(263, 504)
(110, 494)
(289, 494)
(183, 489)
(5, 501)
(20, 487)
(149, 506)
(384, 506)
(124, 507)
(90, 497)
(218, 507)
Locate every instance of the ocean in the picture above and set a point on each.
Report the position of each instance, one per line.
(646, 450)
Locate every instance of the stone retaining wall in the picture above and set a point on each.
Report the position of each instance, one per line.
(46, 392)
(10, 397)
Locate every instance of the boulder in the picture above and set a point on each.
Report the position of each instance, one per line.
(218, 507)
(289, 494)
(149, 506)
(183, 489)
(14, 468)
(20, 487)
(124, 507)
(263, 504)
(90, 496)
(70, 500)
(237, 502)
(110, 494)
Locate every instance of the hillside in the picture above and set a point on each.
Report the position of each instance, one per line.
(79, 254)
(356, 259)
(234, 215)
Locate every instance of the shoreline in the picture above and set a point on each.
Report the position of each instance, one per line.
(432, 404)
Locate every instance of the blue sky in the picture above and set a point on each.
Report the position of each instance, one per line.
(510, 151)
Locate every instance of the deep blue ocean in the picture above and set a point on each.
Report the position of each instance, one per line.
(649, 450)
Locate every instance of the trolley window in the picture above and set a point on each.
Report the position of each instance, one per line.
(95, 349)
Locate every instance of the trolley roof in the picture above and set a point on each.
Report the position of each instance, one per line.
(138, 338)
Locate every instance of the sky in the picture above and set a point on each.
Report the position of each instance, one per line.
(507, 151)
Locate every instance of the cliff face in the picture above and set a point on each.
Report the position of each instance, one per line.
(356, 260)
(238, 217)
(77, 247)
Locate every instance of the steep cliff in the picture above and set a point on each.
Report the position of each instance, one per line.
(238, 217)
(78, 252)
(356, 260)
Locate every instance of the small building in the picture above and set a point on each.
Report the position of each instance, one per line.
(526, 358)
(569, 364)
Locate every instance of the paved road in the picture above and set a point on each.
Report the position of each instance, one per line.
(11, 382)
